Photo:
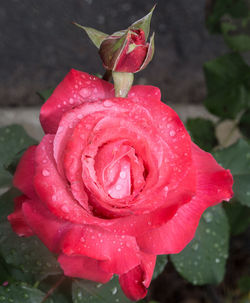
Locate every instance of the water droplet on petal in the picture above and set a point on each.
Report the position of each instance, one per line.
(65, 209)
(45, 173)
(71, 101)
(122, 174)
(118, 187)
(172, 133)
(107, 103)
(84, 92)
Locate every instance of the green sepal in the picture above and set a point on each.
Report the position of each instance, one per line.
(95, 36)
(150, 53)
(144, 23)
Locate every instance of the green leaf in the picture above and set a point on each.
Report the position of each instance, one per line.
(13, 142)
(237, 159)
(161, 263)
(45, 94)
(228, 85)
(28, 259)
(244, 124)
(236, 35)
(238, 216)
(244, 284)
(202, 133)
(21, 293)
(203, 260)
(84, 291)
(144, 23)
(95, 36)
(235, 9)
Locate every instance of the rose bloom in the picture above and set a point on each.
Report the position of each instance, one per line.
(114, 182)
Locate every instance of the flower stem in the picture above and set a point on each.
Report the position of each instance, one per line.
(122, 83)
(53, 288)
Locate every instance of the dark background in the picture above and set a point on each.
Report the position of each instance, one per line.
(38, 44)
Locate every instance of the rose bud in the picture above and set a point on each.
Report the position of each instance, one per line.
(127, 50)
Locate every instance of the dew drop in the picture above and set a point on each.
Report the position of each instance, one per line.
(71, 101)
(208, 217)
(122, 175)
(65, 209)
(217, 260)
(118, 187)
(107, 103)
(208, 230)
(80, 116)
(165, 188)
(195, 246)
(45, 173)
(114, 290)
(84, 92)
(172, 133)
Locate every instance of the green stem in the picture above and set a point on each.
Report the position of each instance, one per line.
(53, 288)
(122, 83)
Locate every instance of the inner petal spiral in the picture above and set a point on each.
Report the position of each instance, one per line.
(116, 164)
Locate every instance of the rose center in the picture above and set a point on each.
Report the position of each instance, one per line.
(116, 166)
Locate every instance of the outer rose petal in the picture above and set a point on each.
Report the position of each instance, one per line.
(17, 220)
(135, 282)
(76, 88)
(118, 253)
(47, 227)
(84, 268)
(214, 184)
(23, 178)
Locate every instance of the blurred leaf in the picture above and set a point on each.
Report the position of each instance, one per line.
(238, 217)
(84, 291)
(228, 85)
(45, 94)
(27, 258)
(237, 159)
(21, 293)
(236, 35)
(244, 124)
(235, 9)
(244, 284)
(202, 132)
(161, 263)
(13, 141)
(203, 260)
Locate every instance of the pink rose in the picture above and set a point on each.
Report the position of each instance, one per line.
(114, 182)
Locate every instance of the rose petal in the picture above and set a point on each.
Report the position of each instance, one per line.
(214, 184)
(51, 188)
(17, 220)
(47, 227)
(84, 268)
(119, 253)
(23, 178)
(135, 282)
(76, 88)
